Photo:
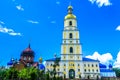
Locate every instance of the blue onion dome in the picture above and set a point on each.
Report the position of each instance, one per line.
(28, 52)
(102, 66)
(41, 66)
(10, 63)
(110, 66)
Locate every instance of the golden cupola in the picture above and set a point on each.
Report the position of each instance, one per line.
(40, 59)
(70, 15)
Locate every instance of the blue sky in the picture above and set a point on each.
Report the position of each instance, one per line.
(40, 22)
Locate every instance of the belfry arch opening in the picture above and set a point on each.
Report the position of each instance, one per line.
(70, 35)
(70, 23)
(71, 49)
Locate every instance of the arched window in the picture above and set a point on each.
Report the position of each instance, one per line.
(70, 35)
(88, 65)
(24, 58)
(29, 58)
(92, 65)
(96, 65)
(89, 70)
(71, 49)
(70, 23)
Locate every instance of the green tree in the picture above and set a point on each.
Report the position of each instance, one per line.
(47, 77)
(31, 74)
(11, 74)
(34, 73)
(117, 71)
(42, 75)
(56, 63)
(2, 74)
(24, 74)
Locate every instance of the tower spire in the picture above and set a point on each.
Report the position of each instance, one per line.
(70, 3)
(29, 45)
(70, 8)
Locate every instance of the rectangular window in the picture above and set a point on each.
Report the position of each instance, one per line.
(96, 65)
(92, 65)
(97, 70)
(89, 70)
(88, 65)
(84, 65)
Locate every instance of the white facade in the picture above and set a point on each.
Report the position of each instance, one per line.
(72, 63)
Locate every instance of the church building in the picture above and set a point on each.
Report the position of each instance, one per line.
(72, 64)
(26, 60)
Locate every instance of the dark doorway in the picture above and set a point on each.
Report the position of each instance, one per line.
(88, 77)
(71, 74)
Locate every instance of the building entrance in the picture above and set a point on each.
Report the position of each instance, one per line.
(71, 74)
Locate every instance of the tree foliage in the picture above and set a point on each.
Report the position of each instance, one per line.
(2, 74)
(117, 71)
(24, 74)
(27, 74)
(11, 73)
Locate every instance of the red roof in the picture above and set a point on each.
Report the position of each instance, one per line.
(28, 49)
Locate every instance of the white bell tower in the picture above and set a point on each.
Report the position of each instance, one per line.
(71, 47)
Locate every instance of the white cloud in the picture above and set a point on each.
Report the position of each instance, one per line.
(33, 22)
(19, 7)
(117, 62)
(118, 28)
(14, 34)
(101, 3)
(53, 22)
(9, 31)
(104, 58)
(1, 22)
(58, 2)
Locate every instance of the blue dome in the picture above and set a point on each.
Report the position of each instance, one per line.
(41, 67)
(102, 66)
(10, 63)
(110, 66)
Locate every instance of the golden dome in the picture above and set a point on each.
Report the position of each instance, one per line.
(70, 16)
(40, 59)
(70, 7)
